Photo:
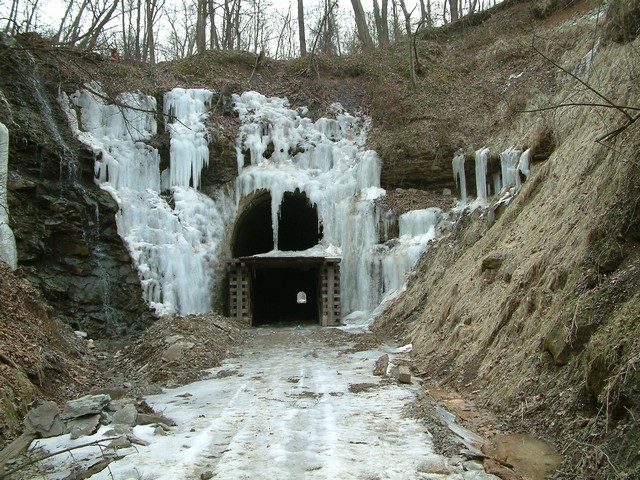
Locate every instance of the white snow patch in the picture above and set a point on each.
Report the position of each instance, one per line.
(288, 413)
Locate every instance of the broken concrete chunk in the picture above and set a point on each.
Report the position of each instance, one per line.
(403, 374)
(127, 415)
(381, 366)
(87, 405)
(44, 421)
(81, 426)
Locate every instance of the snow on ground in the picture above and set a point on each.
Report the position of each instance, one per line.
(291, 406)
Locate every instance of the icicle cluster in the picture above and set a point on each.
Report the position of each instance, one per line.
(513, 162)
(459, 176)
(175, 247)
(183, 111)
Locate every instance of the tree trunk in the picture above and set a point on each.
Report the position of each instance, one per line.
(361, 24)
(301, 32)
(453, 10)
(151, 46)
(214, 41)
(412, 62)
(381, 31)
(385, 20)
(201, 25)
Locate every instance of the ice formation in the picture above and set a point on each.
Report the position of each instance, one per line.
(281, 150)
(183, 111)
(458, 174)
(175, 245)
(482, 156)
(509, 168)
(8, 251)
(178, 245)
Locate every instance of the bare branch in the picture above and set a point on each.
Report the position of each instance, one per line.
(579, 80)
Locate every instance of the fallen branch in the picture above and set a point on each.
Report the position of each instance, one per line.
(49, 455)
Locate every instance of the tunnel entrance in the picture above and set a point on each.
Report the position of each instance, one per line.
(265, 285)
(265, 289)
(275, 298)
(298, 225)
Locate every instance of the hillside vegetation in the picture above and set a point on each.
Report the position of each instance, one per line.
(536, 314)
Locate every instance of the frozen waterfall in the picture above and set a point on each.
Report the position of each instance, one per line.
(281, 150)
(179, 244)
(175, 244)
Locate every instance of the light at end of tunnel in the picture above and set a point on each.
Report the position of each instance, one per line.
(301, 297)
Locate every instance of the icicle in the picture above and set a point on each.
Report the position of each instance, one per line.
(8, 252)
(523, 163)
(184, 111)
(458, 174)
(508, 163)
(481, 173)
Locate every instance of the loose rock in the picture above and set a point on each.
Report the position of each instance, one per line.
(382, 364)
(87, 405)
(44, 420)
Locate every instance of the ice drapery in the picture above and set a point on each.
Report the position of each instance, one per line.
(8, 251)
(174, 243)
(177, 244)
(280, 150)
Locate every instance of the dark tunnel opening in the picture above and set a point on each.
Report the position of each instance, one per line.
(298, 227)
(254, 232)
(275, 293)
(274, 286)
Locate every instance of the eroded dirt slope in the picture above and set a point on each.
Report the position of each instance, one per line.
(535, 314)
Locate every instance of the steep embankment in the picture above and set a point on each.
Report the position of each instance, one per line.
(39, 356)
(536, 315)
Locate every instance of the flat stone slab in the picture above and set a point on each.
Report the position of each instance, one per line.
(87, 405)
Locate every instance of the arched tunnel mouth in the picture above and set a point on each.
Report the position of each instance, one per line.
(298, 225)
(275, 281)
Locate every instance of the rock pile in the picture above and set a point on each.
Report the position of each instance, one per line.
(83, 417)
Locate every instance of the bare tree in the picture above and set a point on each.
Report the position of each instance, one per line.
(382, 29)
(412, 59)
(181, 39)
(201, 26)
(453, 10)
(301, 31)
(361, 24)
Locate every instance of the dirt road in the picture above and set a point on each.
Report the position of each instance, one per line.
(296, 403)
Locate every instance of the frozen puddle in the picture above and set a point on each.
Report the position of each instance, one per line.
(294, 404)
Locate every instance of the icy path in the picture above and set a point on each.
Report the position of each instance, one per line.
(293, 405)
